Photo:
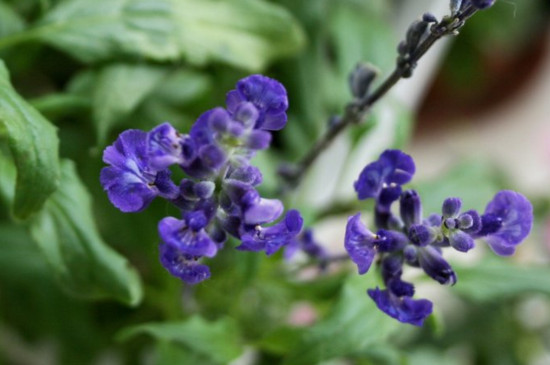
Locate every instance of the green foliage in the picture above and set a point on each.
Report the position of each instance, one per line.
(33, 143)
(497, 279)
(118, 90)
(84, 264)
(218, 342)
(353, 326)
(165, 30)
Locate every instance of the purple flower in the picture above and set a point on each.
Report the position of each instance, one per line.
(188, 236)
(433, 264)
(181, 265)
(166, 146)
(507, 220)
(403, 308)
(130, 182)
(267, 95)
(383, 178)
(272, 238)
(359, 243)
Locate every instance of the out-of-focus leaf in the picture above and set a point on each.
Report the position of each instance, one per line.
(169, 353)
(7, 179)
(67, 236)
(10, 21)
(354, 325)
(243, 33)
(118, 91)
(218, 341)
(496, 279)
(56, 105)
(475, 182)
(33, 144)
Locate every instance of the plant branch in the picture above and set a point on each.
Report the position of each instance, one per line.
(356, 110)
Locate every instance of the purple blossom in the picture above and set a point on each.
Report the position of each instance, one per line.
(433, 264)
(183, 266)
(359, 243)
(271, 239)
(131, 184)
(267, 95)
(166, 146)
(507, 220)
(306, 242)
(188, 235)
(403, 308)
(383, 178)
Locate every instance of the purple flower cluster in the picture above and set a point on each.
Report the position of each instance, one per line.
(408, 238)
(218, 196)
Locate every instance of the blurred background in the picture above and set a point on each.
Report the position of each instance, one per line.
(474, 116)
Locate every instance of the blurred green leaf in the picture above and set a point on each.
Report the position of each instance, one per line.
(33, 144)
(118, 91)
(354, 325)
(475, 182)
(57, 105)
(242, 33)
(218, 341)
(10, 21)
(497, 279)
(84, 264)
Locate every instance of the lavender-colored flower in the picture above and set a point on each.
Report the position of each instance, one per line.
(268, 96)
(188, 235)
(271, 239)
(403, 308)
(507, 220)
(458, 228)
(130, 182)
(166, 146)
(383, 178)
(433, 264)
(359, 243)
(181, 265)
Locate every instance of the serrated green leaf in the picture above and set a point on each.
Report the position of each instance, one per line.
(497, 279)
(354, 325)
(67, 236)
(33, 144)
(242, 33)
(218, 341)
(119, 89)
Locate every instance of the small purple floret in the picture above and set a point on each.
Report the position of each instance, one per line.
(507, 220)
(267, 95)
(182, 266)
(405, 309)
(383, 178)
(359, 243)
(130, 183)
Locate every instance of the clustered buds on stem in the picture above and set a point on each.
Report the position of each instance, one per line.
(409, 239)
(218, 196)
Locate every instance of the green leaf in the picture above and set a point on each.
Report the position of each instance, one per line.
(10, 21)
(84, 264)
(218, 341)
(242, 33)
(119, 89)
(354, 325)
(497, 279)
(33, 144)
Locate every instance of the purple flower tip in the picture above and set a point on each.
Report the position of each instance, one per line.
(507, 221)
(404, 309)
(359, 243)
(384, 177)
(182, 266)
(267, 95)
(130, 184)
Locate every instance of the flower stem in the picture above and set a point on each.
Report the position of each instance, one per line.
(356, 110)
